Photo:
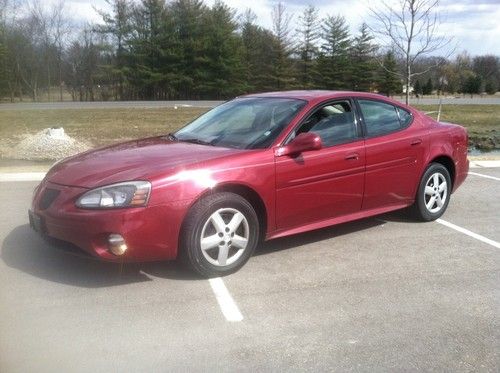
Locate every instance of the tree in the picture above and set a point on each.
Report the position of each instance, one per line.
(259, 47)
(333, 59)
(490, 87)
(390, 82)
(146, 46)
(472, 85)
(410, 28)
(417, 88)
(82, 65)
(222, 51)
(283, 72)
(428, 87)
(117, 25)
(362, 60)
(307, 50)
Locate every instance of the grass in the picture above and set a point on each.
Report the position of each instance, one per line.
(481, 121)
(97, 126)
(476, 118)
(105, 126)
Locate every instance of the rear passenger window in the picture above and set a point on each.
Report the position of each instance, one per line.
(381, 118)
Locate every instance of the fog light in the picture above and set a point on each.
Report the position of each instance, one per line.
(117, 244)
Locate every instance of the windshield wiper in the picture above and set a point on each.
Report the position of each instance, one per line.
(197, 141)
(172, 137)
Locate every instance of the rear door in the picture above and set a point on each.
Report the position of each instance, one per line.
(394, 151)
(326, 183)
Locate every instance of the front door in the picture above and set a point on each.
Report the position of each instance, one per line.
(322, 184)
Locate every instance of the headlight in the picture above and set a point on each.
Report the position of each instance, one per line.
(127, 194)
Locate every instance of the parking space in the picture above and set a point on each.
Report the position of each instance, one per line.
(383, 293)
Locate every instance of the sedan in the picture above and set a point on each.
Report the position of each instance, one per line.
(255, 168)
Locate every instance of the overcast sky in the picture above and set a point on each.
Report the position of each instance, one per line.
(474, 24)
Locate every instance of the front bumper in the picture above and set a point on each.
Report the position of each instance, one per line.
(151, 233)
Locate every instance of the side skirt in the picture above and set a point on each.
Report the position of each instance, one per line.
(338, 220)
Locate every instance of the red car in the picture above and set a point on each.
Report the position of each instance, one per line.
(255, 168)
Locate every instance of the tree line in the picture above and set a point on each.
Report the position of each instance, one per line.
(185, 49)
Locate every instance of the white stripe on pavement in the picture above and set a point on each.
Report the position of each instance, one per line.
(484, 164)
(226, 303)
(22, 176)
(469, 233)
(486, 176)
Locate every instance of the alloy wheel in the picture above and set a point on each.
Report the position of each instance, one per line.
(224, 237)
(436, 192)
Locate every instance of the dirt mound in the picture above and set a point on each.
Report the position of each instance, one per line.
(48, 144)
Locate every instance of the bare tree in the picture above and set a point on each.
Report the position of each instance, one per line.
(411, 30)
(61, 28)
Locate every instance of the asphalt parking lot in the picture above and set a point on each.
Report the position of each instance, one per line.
(380, 294)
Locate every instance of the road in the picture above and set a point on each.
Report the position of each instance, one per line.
(210, 104)
(381, 294)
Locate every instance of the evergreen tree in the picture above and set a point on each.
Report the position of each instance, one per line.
(284, 76)
(490, 87)
(417, 88)
(472, 85)
(428, 87)
(117, 25)
(146, 49)
(222, 52)
(188, 17)
(258, 55)
(333, 60)
(307, 50)
(362, 62)
(389, 80)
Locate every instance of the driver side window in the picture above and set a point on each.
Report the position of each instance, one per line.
(334, 123)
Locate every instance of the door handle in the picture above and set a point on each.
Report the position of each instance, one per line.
(351, 157)
(416, 142)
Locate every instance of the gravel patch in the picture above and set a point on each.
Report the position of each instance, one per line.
(45, 146)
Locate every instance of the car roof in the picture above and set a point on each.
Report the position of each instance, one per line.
(315, 95)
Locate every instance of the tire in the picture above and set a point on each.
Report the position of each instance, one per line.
(219, 234)
(433, 193)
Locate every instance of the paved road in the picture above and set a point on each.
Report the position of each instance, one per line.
(209, 104)
(106, 105)
(381, 294)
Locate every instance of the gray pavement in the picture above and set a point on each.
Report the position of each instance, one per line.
(380, 294)
(106, 105)
(209, 104)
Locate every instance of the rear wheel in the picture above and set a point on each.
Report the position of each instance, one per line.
(433, 193)
(220, 234)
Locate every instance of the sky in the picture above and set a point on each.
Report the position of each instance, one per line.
(473, 24)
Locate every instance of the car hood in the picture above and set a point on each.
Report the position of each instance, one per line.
(133, 160)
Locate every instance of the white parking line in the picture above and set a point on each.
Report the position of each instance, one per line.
(469, 233)
(226, 303)
(486, 176)
(22, 176)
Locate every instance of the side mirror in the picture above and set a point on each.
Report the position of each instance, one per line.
(303, 142)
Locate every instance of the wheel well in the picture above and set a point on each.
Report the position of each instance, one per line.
(448, 163)
(251, 196)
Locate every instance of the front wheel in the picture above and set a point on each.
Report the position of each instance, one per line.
(220, 234)
(433, 193)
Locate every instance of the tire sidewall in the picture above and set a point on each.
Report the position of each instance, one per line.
(202, 213)
(424, 213)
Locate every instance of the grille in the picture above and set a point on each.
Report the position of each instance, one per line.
(48, 196)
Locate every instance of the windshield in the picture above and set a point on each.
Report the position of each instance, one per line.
(244, 123)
